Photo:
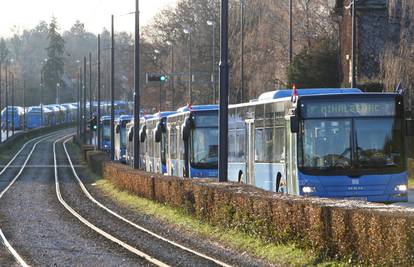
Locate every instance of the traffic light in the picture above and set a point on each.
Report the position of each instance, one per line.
(157, 78)
(93, 124)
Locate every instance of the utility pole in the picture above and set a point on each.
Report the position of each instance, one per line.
(90, 96)
(112, 89)
(79, 104)
(137, 108)
(290, 32)
(190, 81)
(84, 101)
(224, 94)
(41, 99)
(1, 132)
(171, 44)
(241, 51)
(99, 92)
(353, 67)
(12, 100)
(7, 103)
(24, 104)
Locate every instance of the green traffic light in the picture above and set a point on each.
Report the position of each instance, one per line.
(163, 78)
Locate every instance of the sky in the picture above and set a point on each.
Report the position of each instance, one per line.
(96, 14)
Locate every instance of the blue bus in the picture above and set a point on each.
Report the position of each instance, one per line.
(106, 133)
(15, 117)
(156, 142)
(336, 143)
(192, 135)
(142, 142)
(120, 137)
(34, 117)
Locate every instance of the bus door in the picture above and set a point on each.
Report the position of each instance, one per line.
(291, 159)
(250, 151)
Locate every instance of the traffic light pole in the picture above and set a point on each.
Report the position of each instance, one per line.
(137, 88)
(224, 94)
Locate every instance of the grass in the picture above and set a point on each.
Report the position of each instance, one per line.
(287, 255)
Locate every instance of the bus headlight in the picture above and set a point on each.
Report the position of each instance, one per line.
(308, 189)
(401, 188)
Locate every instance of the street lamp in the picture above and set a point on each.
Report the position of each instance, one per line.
(171, 44)
(213, 81)
(190, 96)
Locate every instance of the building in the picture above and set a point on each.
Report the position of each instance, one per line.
(375, 30)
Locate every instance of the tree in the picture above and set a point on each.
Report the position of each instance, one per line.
(4, 51)
(316, 66)
(53, 69)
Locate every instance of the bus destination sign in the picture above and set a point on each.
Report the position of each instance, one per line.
(356, 108)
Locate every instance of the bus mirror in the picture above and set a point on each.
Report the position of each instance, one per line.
(294, 124)
(185, 129)
(143, 134)
(131, 134)
(158, 132)
(117, 129)
(409, 127)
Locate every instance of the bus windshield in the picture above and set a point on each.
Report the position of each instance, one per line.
(106, 131)
(122, 135)
(204, 154)
(365, 145)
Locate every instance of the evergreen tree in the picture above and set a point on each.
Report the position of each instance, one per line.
(316, 66)
(53, 70)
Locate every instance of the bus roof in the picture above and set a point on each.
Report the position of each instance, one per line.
(304, 92)
(124, 118)
(198, 108)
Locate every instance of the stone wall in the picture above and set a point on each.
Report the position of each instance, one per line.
(375, 30)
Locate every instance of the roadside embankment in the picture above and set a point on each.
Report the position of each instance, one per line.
(348, 230)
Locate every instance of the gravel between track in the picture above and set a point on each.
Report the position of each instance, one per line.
(200, 244)
(43, 232)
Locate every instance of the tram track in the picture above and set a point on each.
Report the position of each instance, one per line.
(41, 231)
(19, 259)
(177, 254)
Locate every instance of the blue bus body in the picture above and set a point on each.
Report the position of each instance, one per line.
(192, 135)
(34, 118)
(344, 144)
(15, 117)
(121, 137)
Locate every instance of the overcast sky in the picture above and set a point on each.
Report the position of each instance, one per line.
(26, 14)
